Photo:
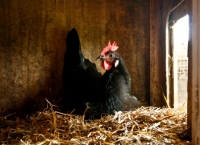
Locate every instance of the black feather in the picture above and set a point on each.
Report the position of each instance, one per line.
(85, 86)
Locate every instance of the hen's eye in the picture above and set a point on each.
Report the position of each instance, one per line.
(110, 55)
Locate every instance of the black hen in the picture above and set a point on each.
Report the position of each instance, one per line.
(85, 86)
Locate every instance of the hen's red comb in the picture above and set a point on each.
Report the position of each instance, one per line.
(109, 47)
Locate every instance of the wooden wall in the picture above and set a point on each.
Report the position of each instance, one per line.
(156, 54)
(32, 45)
(194, 77)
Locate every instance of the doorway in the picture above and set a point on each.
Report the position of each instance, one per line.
(177, 62)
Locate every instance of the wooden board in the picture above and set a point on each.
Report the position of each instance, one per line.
(195, 80)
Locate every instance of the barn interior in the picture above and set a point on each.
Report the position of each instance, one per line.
(33, 44)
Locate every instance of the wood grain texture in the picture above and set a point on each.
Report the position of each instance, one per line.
(195, 74)
(32, 45)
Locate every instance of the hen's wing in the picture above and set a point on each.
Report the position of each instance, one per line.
(109, 105)
(114, 91)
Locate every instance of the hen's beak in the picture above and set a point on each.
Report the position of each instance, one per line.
(100, 57)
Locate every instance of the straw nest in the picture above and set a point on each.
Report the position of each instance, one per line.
(145, 125)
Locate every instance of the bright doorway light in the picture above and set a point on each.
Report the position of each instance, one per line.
(180, 60)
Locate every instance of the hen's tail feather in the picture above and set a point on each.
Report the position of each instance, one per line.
(85, 86)
(79, 74)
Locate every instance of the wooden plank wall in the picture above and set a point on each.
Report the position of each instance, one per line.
(195, 73)
(32, 45)
(156, 53)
